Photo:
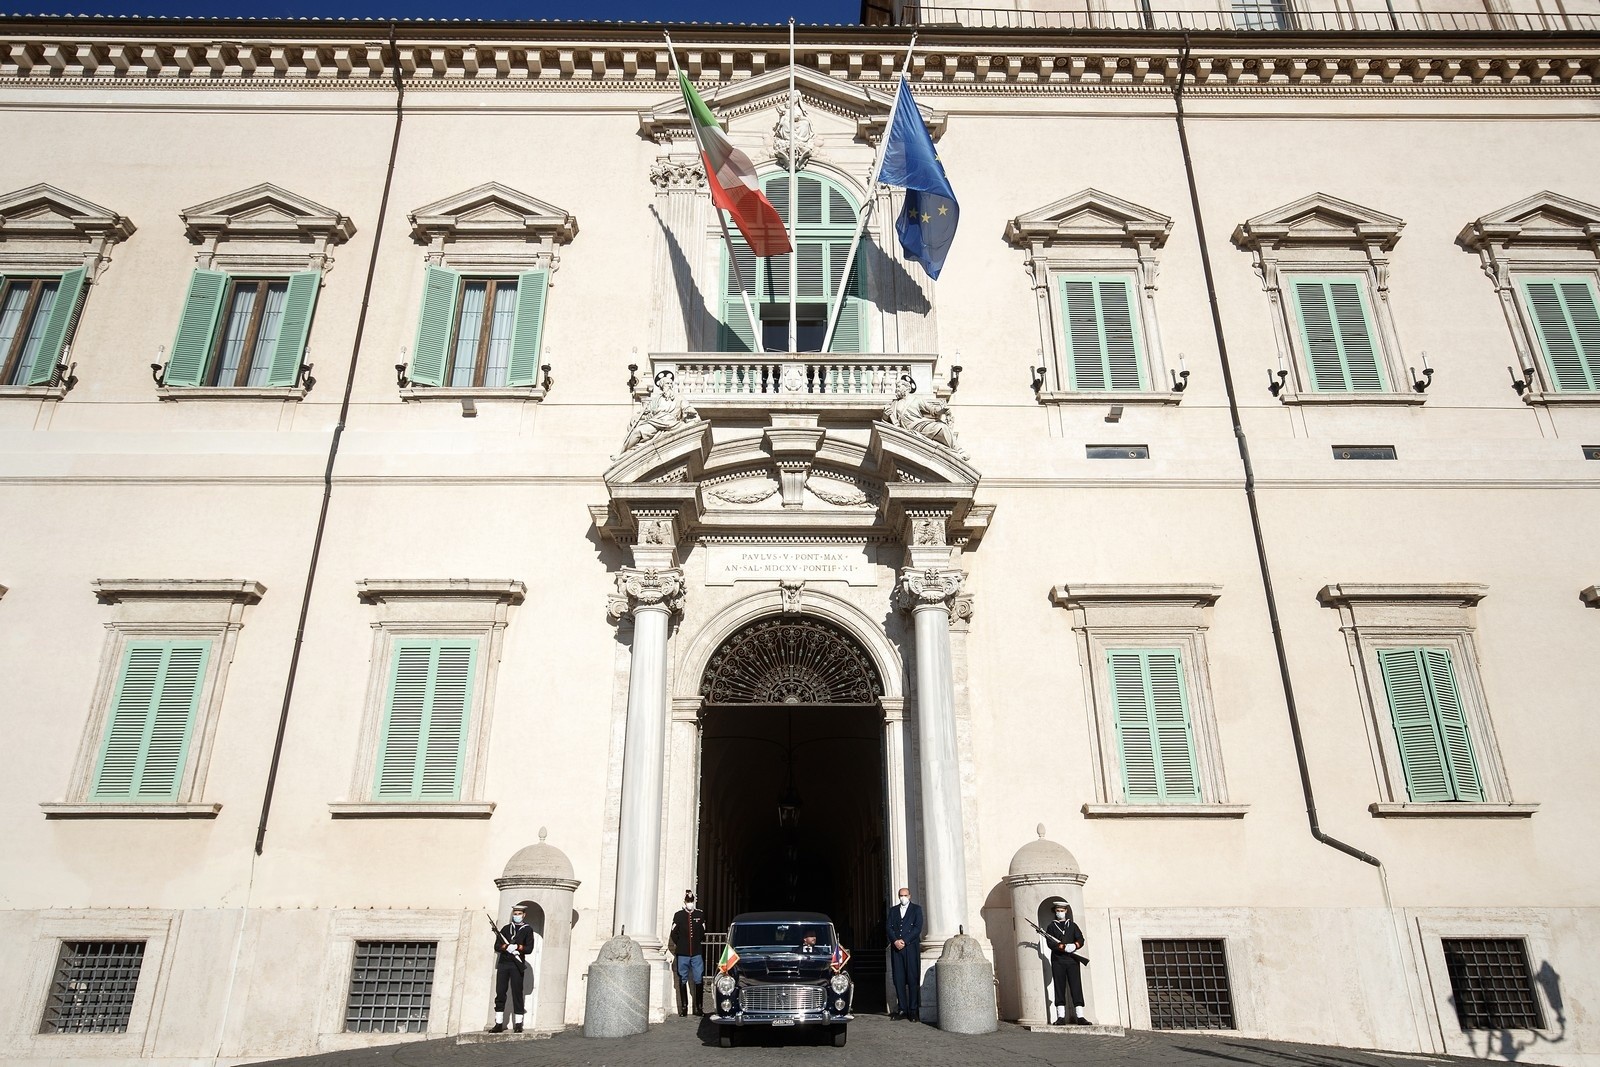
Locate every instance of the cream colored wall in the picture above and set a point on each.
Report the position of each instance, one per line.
(111, 483)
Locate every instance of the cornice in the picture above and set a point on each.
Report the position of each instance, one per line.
(489, 57)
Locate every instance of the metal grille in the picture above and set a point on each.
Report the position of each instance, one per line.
(1489, 978)
(391, 985)
(782, 998)
(93, 988)
(790, 661)
(1188, 985)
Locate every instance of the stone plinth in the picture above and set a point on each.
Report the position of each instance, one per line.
(1076, 1031)
(618, 1000)
(966, 988)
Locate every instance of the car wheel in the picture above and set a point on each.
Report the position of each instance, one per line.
(839, 1034)
(725, 1037)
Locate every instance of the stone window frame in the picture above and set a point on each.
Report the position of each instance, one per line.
(1322, 235)
(1431, 926)
(50, 231)
(156, 928)
(1147, 616)
(1234, 927)
(160, 609)
(1543, 234)
(431, 608)
(1375, 616)
(262, 231)
(1091, 232)
(449, 930)
(491, 230)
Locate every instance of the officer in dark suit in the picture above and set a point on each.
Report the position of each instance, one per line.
(1062, 940)
(511, 951)
(903, 924)
(688, 942)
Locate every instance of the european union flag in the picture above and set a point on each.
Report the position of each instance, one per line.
(927, 222)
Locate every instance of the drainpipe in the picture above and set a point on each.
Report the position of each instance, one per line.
(333, 446)
(1250, 489)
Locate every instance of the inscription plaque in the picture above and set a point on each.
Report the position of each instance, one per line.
(726, 564)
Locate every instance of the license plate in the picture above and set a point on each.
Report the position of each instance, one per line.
(783, 1022)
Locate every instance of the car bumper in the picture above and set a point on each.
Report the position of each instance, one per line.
(809, 1018)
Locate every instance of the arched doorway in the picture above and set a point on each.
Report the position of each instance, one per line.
(792, 783)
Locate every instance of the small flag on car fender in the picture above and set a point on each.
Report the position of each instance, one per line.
(729, 958)
(841, 956)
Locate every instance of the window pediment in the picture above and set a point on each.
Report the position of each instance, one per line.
(44, 211)
(1089, 217)
(265, 211)
(1319, 219)
(1545, 219)
(492, 210)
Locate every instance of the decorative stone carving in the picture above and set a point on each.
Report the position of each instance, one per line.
(731, 495)
(662, 412)
(790, 591)
(839, 494)
(928, 532)
(674, 174)
(790, 661)
(656, 532)
(961, 612)
(928, 416)
(800, 140)
(928, 587)
(645, 588)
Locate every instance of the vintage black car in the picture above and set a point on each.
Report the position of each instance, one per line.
(787, 969)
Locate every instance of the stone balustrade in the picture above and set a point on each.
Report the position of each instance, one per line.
(779, 380)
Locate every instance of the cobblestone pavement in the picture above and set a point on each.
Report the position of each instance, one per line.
(872, 1040)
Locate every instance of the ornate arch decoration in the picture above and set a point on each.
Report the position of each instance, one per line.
(790, 659)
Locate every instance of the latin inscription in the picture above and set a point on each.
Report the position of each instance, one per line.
(726, 564)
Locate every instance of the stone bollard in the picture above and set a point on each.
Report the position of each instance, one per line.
(618, 1001)
(966, 988)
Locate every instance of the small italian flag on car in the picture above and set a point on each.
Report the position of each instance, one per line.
(729, 958)
(841, 956)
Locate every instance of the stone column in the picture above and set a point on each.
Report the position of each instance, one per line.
(680, 185)
(928, 592)
(651, 596)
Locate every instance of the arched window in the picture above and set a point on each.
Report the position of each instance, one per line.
(827, 224)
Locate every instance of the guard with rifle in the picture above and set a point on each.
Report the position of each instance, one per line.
(513, 943)
(1060, 941)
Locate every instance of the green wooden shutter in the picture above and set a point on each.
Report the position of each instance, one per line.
(1566, 316)
(68, 292)
(423, 747)
(736, 333)
(1336, 332)
(434, 325)
(527, 332)
(850, 335)
(1416, 728)
(290, 349)
(1457, 742)
(1102, 332)
(150, 721)
(186, 363)
(1155, 740)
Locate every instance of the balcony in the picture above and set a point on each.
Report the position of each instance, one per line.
(835, 383)
(1355, 16)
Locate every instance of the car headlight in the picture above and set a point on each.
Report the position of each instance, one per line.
(839, 983)
(725, 983)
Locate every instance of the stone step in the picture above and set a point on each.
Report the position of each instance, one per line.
(1080, 1031)
(483, 1037)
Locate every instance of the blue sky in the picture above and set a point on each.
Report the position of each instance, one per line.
(748, 11)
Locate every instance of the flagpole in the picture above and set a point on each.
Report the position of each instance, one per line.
(794, 221)
(872, 202)
(727, 238)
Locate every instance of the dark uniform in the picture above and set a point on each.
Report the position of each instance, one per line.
(1063, 938)
(688, 955)
(509, 971)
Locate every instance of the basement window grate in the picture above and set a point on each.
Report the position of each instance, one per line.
(93, 988)
(391, 987)
(1117, 451)
(1364, 452)
(1187, 980)
(1490, 984)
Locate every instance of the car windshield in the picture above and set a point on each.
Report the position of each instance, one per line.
(791, 935)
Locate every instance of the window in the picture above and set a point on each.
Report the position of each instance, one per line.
(1187, 983)
(1260, 15)
(1157, 747)
(35, 318)
(1413, 650)
(147, 742)
(93, 988)
(1565, 314)
(1491, 984)
(479, 332)
(243, 332)
(425, 722)
(1324, 263)
(391, 987)
(1093, 259)
(827, 224)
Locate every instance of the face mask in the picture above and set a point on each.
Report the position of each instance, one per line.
(1061, 915)
(905, 900)
(516, 916)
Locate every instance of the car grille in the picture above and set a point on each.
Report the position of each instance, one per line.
(782, 998)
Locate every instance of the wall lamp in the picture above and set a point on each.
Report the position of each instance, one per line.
(1421, 384)
(1523, 384)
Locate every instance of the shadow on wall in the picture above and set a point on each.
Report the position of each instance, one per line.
(691, 302)
(1511, 1044)
(999, 931)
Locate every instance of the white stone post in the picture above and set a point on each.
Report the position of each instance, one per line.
(651, 596)
(929, 592)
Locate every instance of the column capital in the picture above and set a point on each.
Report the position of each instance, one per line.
(645, 588)
(929, 587)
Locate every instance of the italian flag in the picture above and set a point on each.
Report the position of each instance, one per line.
(732, 177)
(729, 957)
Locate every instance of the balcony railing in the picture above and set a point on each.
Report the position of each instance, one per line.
(778, 381)
(1263, 17)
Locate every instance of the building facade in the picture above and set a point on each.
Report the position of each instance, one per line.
(1211, 546)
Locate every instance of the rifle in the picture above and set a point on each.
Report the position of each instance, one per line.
(499, 938)
(1057, 942)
